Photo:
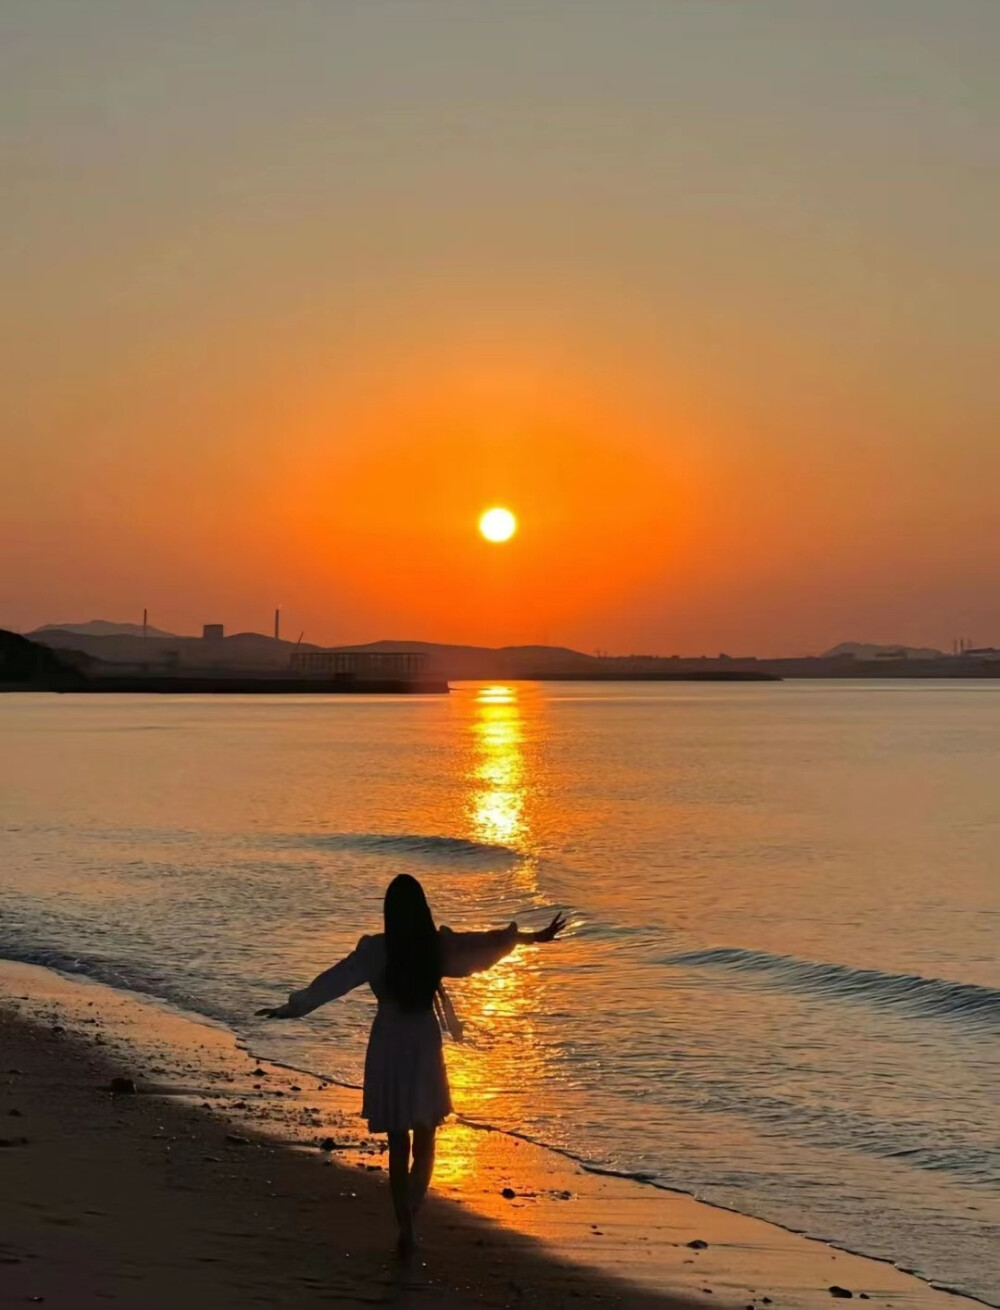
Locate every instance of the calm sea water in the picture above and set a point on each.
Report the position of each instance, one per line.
(781, 989)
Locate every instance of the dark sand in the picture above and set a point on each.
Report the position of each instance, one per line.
(145, 1202)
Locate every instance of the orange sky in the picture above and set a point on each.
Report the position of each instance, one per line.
(707, 298)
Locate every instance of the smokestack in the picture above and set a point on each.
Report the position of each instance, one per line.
(277, 624)
(145, 623)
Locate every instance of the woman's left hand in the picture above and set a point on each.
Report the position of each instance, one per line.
(553, 930)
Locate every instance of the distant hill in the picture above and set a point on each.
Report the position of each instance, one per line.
(243, 650)
(100, 628)
(475, 662)
(26, 664)
(124, 644)
(561, 652)
(860, 650)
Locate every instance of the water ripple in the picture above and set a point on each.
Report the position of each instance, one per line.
(936, 997)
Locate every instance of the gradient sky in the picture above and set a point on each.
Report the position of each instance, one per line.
(705, 290)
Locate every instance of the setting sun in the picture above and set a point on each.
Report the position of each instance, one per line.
(498, 524)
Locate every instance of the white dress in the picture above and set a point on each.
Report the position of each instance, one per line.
(406, 1083)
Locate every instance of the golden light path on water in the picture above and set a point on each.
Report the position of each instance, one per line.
(502, 1058)
(497, 778)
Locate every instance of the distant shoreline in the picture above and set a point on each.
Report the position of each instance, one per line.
(242, 685)
(238, 685)
(252, 664)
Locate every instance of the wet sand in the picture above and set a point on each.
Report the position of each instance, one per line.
(225, 1182)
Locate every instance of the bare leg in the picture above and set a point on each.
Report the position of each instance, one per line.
(399, 1184)
(423, 1163)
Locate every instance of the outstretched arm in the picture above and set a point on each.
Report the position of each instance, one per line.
(465, 953)
(343, 977)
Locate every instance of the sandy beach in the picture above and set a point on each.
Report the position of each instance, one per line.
(224, 1182)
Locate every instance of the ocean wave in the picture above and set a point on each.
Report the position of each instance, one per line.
(121, 975)
(934, 997)
(425, 846)
(415, 845)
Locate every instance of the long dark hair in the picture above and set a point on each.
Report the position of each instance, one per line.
(412, 946)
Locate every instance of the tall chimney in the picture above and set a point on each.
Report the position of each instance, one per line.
(277, 624)
(145, 623)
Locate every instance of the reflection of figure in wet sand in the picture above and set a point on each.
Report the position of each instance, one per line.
(406, 1086)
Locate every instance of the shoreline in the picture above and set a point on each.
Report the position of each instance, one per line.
(572, 1228)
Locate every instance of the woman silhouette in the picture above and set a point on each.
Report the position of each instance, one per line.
(406, 1085)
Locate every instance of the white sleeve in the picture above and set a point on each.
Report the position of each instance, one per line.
(472, 952)
(343, 977)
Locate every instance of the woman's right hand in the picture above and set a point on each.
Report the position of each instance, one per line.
(274, 1012)
(552, 931)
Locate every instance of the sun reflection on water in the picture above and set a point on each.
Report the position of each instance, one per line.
(497, 793)
(503, 1064)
